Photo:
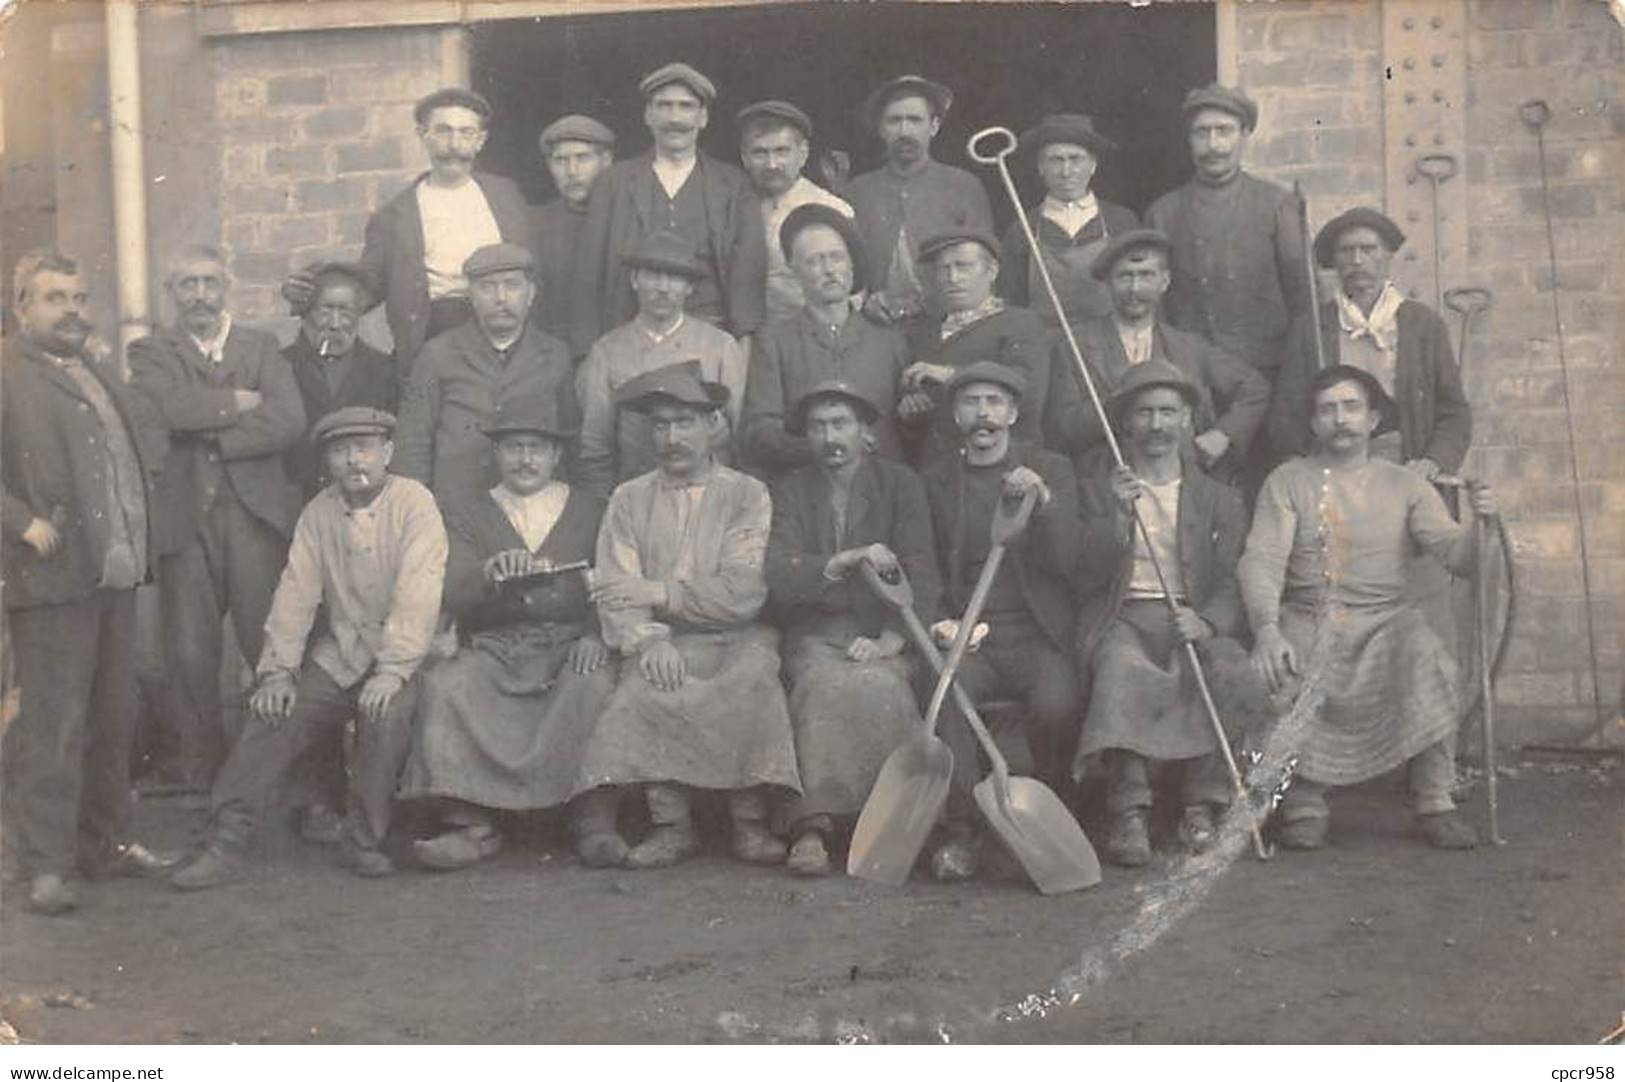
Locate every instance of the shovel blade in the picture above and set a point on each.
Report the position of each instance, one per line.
(1037, 828)
(903, 806)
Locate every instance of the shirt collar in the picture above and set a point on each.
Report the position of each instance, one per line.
(1072, 216)
(663, 336)
(214, 348)
(954, 322)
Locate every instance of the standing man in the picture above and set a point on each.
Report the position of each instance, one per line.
(417, 242)
(673, 188)
(371, 548)
(224, 507)
(911, 197)
(75, 518)
(466, 372)
(1331, 539)
(616, 444)
(576, 149)
(831, 338)
(1144, 706)
(1072, 225)
(774, 137)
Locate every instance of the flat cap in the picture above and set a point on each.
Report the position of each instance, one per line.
(352, 421)
(332, 268)
(576, 127)
(1375, 394)
(536, 413)
(451, 95)
(678, 72)
(906, 86)
(774, 109)
(1065, 128)
(989, 372)
(1155, 372)
(862, 404)
(666, 251)
(683, 383)
(1369, 217)
(931, 246)
(492, 258)
(1231, 99)
(809, 214)
(1123, 244)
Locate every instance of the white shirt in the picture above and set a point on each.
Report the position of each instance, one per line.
(784, 294)
(1160, 513)
(1073, 216)
(215, 348)
(1137, 342)
(533, 517)
(673, 175)
(456, 223)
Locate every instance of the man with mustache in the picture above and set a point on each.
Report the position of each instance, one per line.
(463, 374)
(76, 513)
(616, 444)
(673, 188)
(831, 338)
(851, 701)
(1331, 540)
(911, 197)
(1232, 396)
(1030, 611)
(1144, 707)
(774, 138)
(577, 149)
(223, 505)
(679, 589)
(371, 549)
(417, 242)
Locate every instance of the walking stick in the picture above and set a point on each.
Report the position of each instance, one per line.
(997, 158)
(1314, 277)
(1486, 676)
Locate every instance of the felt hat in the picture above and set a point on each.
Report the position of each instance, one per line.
(989, 372)
(334, 268)
(493, 258)
(1373, 219)
(1231, 99)
(536, 413)
(352, 421)
(678, 72)
(1155, 372)
(1121, 245)
(907, 86)
(1065, 128)
(862, 405)
(664, 250)
(819, 214)
(452, 95)
(578, 128)
(1379, 398)
(682, 383)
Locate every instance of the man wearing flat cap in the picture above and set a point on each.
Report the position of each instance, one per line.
(616, 444)
(680, 589)
(911, 197)
(1143, 704)
(774, 137)
(417, 242)
(464, 373)
(371, 549)
(1232, 396)
(576, 149)
(845, 651)
(831, 338)
(673, 188)
(975, 325)
(1072, 225)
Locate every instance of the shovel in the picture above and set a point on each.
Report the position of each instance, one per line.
(1028, 817)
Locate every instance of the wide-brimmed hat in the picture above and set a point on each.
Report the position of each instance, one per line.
(1379, 398)
(678, 72)
(683, 383)
(1009, 378)
(865, 407)
(931, 246)
(1369, 217)
(1065, 128)
(452, 95)
(536, 413)
(819, 214)
(666, 251)
(577, 128)
(1232, 99)
(352, 421)
(1154, 372)
(495, 258)
(907, 86)
(1124, 243)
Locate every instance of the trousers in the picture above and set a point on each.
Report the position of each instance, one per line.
(1430, 775)
(1202, 780)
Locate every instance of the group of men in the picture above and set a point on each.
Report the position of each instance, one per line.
(596, 535)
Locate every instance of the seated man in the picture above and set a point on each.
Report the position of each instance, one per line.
(1330, 540)
(1029, 611)
(851, 701)
(1144, 705)
(372, 548)
(503, 721)
(679, 587)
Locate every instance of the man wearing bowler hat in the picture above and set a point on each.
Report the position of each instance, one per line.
(576, 150)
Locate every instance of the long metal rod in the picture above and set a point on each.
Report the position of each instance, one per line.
(1312, 271)
(1486, 679)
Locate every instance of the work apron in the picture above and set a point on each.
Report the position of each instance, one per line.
(1082, 296)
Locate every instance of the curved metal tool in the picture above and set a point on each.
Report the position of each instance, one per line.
(1467, 302)
(1438, 168)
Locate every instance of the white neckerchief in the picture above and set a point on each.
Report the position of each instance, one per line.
(673, 175)
(214, 348)
(533, 517)
(1381, 326)
(1074, 216)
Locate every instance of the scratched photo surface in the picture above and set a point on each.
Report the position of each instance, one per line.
(1397, 588)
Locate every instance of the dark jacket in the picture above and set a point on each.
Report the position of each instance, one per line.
(392, 258)
(558, 241)
(1044, 557)
(210, 441)
(1435, 420)
(1017, 283)
(935, 200)
(52, 467)
(369, 380)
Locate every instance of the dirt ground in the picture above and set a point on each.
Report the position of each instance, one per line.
(1376, 938)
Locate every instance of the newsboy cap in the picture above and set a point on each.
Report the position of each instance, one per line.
(683, 383)
(809, 214)
(1123, 244)
(579, 128)
(1369, 217)
(352, 421)
(538, 413)
(989, 372)
(933, 245)
(1231, 99)
(451, 95)
(1065, 128)
(678, 72)
(1154, 372)
(907, 86)
(493, 258)
(837, 389)
(774, 109)
(666, 251)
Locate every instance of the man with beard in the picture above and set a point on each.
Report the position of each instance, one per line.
(831, 338)
(576, 149)
(679, 589)
(1029, 610)
(673, 188)
(75, 519)
(1231, 395)
(851, 701)
(774, 138)
(977, 326)
(616, 444)
(464, 373)
(417, 242)
(372, 549)
(1331, 540)
(911, 197)
(223, 507)
(1144, 706)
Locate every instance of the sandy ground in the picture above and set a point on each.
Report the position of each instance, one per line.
(1376, 938)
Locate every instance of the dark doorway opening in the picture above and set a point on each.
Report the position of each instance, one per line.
(1007, 64)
